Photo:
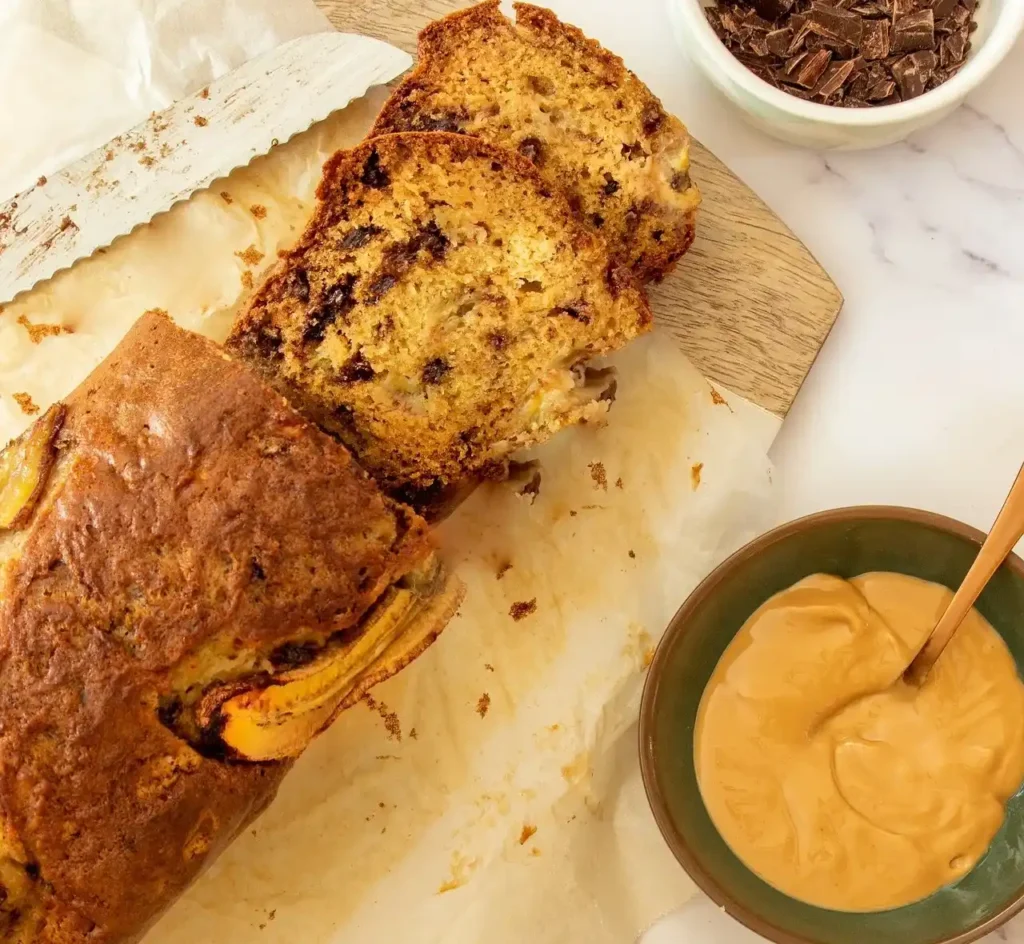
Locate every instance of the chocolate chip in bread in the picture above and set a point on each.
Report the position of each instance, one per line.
(440, 309)
(592, 128)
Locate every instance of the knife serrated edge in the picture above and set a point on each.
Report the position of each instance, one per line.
(146, 171)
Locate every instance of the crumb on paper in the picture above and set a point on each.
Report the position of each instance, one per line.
(522, 609)
(632, 554)
(390, 718)
(598, 474)
(554, 727)
(271, 914)
(718, 400)
(109, 156)
(37, 332)
(27, 404)
(528, 831)
(414, 734)
(247, 280)
(534, 851)
(503, 569)
(251, 256)
(618, 483)
(695, 471)
(41, 182)
(259, 211)
(67, 223)
(205, 93)
(572, 514)
(532, 488)
(648, 657)
(200, 121)
(147, 161)
(226, 197)
(488, 667)
(483, 705)
(461, 869)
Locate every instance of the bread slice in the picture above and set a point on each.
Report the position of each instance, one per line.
(590, 125)
(440, 309)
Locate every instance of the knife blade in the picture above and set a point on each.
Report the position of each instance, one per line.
(183, 149)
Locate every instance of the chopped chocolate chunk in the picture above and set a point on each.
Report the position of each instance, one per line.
(379, 287)
(912, 73)
(653, 118)
(359, 237)
(834, 25)
(876, 39)
(611, 184)
(773, 9)
(834, 78)
(577, 312)
(778, 41)
(540, 84)
(448, 121)
(357, 369)
(373, 174)
(914, 32)
(299, 284)
(617, 278)
(812, 69)
(436, 370)
(680, 181)
(532, 149)
(433, 240)
(338, 301)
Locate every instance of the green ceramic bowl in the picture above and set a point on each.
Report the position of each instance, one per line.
(845, 542)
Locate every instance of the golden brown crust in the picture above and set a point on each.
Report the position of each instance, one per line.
(592, 127)
(189, 502)
(435, 307)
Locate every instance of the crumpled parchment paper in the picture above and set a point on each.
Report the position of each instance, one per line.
(490, 792)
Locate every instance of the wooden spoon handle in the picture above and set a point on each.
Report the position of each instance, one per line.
(1006, 532)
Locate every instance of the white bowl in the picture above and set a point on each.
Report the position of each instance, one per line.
(811, 124)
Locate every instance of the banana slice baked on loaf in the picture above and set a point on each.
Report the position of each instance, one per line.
(440, 309)
(193, 581)
(591, 127)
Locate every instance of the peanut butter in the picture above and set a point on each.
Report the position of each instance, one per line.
(829, 776)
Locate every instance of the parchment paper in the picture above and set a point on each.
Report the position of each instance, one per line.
(490, 792)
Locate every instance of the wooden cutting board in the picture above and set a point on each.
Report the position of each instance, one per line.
(749, 304)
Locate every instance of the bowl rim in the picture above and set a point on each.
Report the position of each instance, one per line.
(677, 626)
(1007, 27)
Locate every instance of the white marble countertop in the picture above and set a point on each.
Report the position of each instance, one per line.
(918, 396)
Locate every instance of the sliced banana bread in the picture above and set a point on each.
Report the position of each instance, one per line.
(438, 312)
(590, 125)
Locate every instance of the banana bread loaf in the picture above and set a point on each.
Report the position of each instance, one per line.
(180, 553)
(440, 309)
(540, 87)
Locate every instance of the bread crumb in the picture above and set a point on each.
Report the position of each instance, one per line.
(528, 831)
(259, 211)
(488, 667)
(247, 280)
(718, 400)
(632, 555)
(618, 483)
(483, 705)
(648, 657)
(147, 161)
(503, 569)
(251, 256)
(109, 156)
(695, 471)
(390, 718)
(36, 333)
(28, 406)
(226, 197)
(205, 93)
(522, 609)
(414, 734)
(67, 223)
(598, 474)
(41, 182)
(534, 851)
(200, 121)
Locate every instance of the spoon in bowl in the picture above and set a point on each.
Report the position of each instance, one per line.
(1007, 530)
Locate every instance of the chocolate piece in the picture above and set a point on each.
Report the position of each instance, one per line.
(913, 72)
(810, 71)
(835, 25)
(876, 39)
(835, 77)
(913, 32)
(778, 41)
(773, 9)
